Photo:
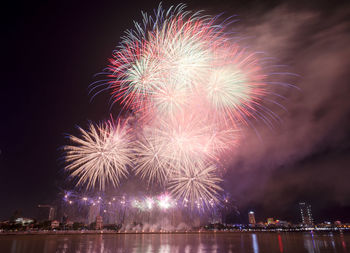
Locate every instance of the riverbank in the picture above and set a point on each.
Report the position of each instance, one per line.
(99, 232)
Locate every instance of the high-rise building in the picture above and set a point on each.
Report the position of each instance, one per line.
(99, 222)
(305, 212)
(46, 213)
(251, 217)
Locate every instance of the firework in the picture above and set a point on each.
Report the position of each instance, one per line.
(151, 163)
(149, 203)
(235, 85)
(100, 155)
(165, 202)
(172, 61)
(169, 146)
(160, 62)
(192, 87)
(196, 186)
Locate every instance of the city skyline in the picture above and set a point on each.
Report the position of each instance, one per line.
(115, 208)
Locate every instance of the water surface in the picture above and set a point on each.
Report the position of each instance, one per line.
(178, 243)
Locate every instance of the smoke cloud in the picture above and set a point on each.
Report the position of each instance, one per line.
(310, 144)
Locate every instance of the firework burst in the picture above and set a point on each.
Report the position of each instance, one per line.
(196, 186)
(151, 163)
(174, 60)
(170, 146)
(100, 155)
(235, 86)
(160, 62)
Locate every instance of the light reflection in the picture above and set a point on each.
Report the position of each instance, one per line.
(149, 249)
(215, 248)
(14, 246)
(280, 244)
(187, 243)
(201, 248)
(164, 248)
(314, 243)
(332, 240)
(255, 243)
(343, 241)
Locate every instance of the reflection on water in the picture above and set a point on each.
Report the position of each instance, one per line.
(280, 243)
(255, 244)
(178, 243)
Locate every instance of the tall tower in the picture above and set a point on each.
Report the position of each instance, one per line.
(99, 223)
(251, 217)
(305, 212)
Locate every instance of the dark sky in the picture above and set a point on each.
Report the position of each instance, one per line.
(51, 50)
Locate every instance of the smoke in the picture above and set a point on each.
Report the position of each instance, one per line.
(164, 226)
(315, 45)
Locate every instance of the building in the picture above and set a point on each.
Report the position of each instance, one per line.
(99, 222)
(55, 224)
(46, 213)
(271, 221)
(305, 212)
(24, 221)
(251, 217)
(69, 224)
(282, 223)
(337, 223)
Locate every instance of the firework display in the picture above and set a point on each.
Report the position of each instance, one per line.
(178, 61)
(197, 185)
(101, 155)
(144, 212)
(192, 89)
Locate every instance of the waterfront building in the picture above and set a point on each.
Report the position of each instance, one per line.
(251, 217)
(55, 224)
(24, 221)
(271, 221)
(282, 223)
(337, 223)
(99, 222)
(305, 212)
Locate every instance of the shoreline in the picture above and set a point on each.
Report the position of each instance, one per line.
(109, 232)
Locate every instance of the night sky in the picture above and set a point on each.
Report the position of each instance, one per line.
(51, 51)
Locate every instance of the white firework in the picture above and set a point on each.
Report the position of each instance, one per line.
(197, 185)
(151, 161)
(100, 155)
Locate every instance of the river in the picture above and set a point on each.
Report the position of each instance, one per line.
(262, 242)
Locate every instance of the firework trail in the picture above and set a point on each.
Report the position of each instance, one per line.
(197, 185)
(100, 155)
